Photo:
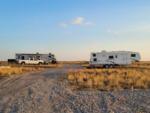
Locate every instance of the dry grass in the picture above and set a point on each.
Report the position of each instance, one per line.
(110, 79)
(73, 62)
(13, 69)
(7, 70)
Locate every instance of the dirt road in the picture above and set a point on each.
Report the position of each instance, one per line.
(46, 92)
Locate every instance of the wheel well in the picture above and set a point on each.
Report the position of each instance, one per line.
(22, 62)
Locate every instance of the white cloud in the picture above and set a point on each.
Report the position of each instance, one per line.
(78, 21)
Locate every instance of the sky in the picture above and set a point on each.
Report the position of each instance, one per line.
(72, 29)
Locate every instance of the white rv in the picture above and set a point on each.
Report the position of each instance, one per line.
(23, 58)
(114, 58)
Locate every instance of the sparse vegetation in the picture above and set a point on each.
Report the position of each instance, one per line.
(110, 79)
(13, 69)
(7, 70)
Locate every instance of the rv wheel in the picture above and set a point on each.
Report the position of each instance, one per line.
(54, 62)
(22, 63)
(106, 66)
(111, 66)
(40, 63)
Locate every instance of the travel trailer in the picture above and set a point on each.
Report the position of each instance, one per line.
(113, 58)
(23, 58)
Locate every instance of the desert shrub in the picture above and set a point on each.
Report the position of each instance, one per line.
(7, 71)
(110, 79)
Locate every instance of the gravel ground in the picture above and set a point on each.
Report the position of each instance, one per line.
(45, 92)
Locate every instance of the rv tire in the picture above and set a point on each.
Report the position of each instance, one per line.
(111, 66)
(54, 62)
(106, 66)
(40, 63)
(23, 63)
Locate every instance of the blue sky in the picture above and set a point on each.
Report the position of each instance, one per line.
(71, 29)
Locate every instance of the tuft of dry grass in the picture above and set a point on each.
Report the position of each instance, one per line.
(8, 70)
(110, 79)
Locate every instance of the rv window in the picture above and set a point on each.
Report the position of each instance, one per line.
(94, 55)
(22, 57)
(133, 55)
(111, 57)
(95, 59)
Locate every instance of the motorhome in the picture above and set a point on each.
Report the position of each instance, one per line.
(25, 58)
(113, 58)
